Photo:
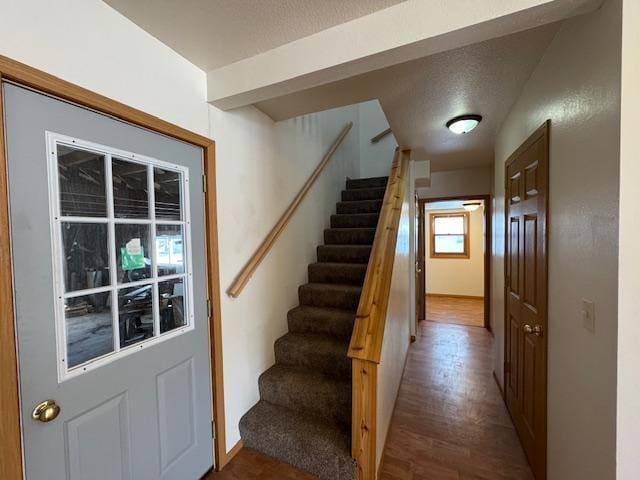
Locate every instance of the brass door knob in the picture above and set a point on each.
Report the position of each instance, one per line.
(46, 411)
(536, 329)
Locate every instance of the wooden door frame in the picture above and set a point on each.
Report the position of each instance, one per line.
(543, 131)
(487, 242)
(421, 252)
(11, 460)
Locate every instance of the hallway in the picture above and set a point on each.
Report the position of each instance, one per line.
(450, 422)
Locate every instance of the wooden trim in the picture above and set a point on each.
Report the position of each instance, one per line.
(10, 427)
(368, 330)
(542, 131)
(215, 320)
(46, 83)
(432, 242)
(261, 252)
(366, 340)
(231, 454)
(364, 417)
(11, 458)
(381, 135)
(447, 295)
(488, 239)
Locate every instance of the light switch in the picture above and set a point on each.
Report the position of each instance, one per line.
(589, 315)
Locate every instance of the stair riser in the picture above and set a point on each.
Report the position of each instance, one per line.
(298, 441)
(344, 236)
(338, 325)
(367, 183)
(346, 254)
(345, 299)
(328, 401)
(363, 194)
(336, 364)
(369, 220)
(338, 274)
(367, 206)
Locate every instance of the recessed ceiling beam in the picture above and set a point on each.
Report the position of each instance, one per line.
(404, 32)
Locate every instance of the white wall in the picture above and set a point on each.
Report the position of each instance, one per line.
(375, 158)
(577, 86)
(454, 183)
(88, 43)
(395, 345)
(629, 259)
(457, 276)
(261, 166)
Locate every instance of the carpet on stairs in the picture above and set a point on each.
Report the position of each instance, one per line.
(304, 413)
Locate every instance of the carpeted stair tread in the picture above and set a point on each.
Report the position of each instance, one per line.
(306, 442)
(344, 253)
(349, 236)
(330, 295)
(321, 320)
(354, 220)
(360, 206)
(308, 391)
(304, 414)
(343, 273)
(363, 194)
(367, 182)
(322, 353)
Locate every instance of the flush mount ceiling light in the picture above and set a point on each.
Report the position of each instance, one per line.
(471, 206)
(464, 123)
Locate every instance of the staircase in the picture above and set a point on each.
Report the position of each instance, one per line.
(304, 414)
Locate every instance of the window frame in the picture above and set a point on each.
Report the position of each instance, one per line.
(432, 236)
(56, 220)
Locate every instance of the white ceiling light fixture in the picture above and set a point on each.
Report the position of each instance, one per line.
(471, 206)
(464, 123)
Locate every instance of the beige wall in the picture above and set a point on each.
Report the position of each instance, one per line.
(261, 166)
(375, 158)
(395, 345)
(577, 86)
(455, 183)
(457, 276)
(629, 259)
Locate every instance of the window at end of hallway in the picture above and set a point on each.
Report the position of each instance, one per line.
(449, 235)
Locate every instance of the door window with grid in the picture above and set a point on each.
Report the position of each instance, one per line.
(449, 235)
(120, 236)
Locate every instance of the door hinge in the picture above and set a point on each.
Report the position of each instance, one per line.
(213, 429)
(208, 308)
(204, 183)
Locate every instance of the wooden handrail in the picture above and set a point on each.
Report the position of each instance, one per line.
(381, 135)
(366, 340)
(261, 252)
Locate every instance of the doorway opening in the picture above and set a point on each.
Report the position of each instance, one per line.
(454, 260)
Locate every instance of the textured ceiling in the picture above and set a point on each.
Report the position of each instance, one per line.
(418, 97)
(213, 33)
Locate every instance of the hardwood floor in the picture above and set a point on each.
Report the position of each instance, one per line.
(461, 311)
(249, 464)
(450, 422)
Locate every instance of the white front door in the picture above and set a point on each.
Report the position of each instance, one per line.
(107, 228)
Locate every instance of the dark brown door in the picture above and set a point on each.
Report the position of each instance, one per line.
(420, 263)
(526, 197)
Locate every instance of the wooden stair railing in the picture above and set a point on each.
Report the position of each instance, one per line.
(252, 264)
(368, 331)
